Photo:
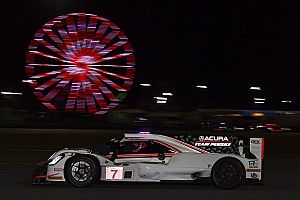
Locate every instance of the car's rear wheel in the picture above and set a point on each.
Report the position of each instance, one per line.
(227, 173)
(81, 171)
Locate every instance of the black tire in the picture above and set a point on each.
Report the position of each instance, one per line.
(227, 173)
(81, 171)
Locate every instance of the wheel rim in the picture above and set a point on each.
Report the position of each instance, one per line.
(80, 63)
(81, 171)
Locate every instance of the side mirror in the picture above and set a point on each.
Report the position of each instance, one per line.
(161, 156)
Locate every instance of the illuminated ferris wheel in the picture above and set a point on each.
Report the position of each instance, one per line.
(80, 62)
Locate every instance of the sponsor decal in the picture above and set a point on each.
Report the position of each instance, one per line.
(254, 175)
(253, 164)
(58, 169)
(255, 141)
(253, 170)
(55, 177)
(213, 141)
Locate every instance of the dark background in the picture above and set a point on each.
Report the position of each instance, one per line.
(226, 45)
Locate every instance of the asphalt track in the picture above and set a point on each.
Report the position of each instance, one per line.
(21, 148)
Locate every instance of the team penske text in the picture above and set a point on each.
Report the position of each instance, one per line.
(215, 141)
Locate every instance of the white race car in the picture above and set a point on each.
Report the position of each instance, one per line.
(151, 158)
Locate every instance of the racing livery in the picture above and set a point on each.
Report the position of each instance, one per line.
(155, 158)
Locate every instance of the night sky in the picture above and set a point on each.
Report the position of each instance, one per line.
(226, 45)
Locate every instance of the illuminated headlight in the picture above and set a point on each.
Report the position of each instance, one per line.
(55, 160)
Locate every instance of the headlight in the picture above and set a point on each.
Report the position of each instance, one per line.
(55, 160)
(50, 158)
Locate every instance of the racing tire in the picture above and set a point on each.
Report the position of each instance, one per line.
(227, 173)
(81, 171)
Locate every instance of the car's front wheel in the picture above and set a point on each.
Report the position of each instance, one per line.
(227, 173)
(81, 171)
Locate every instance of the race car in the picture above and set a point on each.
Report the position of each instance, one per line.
(151, 158)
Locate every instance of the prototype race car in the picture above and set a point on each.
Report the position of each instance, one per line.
(152, 158)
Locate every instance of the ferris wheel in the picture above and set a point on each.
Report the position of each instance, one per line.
(80, 63)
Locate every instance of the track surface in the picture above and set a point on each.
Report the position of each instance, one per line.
(21, 148)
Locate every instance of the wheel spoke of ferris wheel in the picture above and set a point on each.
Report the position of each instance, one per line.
(47, 84)
(85, 96)
(117, 66)
(108, 94)
(52, 35)
(80, 104)
(70, 105)
(100, 100)
(91, 28)
(50, 106)
(109, 37)
(61, 44)
(109, 73)
(81, 26)
(105, 41)
(89, 98)
(51, 57)
(101, 31)
(120, 55)
(65, 36)
(54, 49)
(53, 81)
(99, 83)
(67, 45)
(111, 48)
(58, 88)
(46, 74)
(108, 82)
(51, 65)
(72, 29)
(85, 43)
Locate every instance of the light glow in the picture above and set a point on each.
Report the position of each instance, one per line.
(255, 88)
(286, 101)
(145, 84)
(27, 81)
(259, 99)
(144, 132)
(167, 94)
(202, 86)
(161, 101)
(161, 98)
(142, 119)
(255, 114)
(11, 93)
(259, 102)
